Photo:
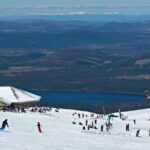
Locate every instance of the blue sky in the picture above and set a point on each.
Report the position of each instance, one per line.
(28, 7)
(34, 3)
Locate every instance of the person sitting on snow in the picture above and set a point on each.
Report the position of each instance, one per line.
(84, 128)
(80, 123)
(73, 122)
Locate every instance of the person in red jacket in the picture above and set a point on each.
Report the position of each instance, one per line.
(39, 127)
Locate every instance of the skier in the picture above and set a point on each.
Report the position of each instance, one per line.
(127, 127)
(83, 115)
(4, 124)
(134, 121)
(95, 121)
(79, 115)
(120, 115)
(86, 122)
(137, 133)
(102, 128)
(39, 127)
(92, 125)
(107, 127)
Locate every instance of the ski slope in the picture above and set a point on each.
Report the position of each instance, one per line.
(60, 134)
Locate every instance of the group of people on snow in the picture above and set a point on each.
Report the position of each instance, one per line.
(91, 122)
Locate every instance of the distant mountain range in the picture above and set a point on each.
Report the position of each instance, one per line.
(78, 16)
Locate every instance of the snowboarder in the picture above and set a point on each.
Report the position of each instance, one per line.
(39, 127)
(137, 133)
(4, 124)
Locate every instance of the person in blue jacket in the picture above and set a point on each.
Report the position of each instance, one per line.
(4, 124)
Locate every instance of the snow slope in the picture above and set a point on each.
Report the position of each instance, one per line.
(60, 134)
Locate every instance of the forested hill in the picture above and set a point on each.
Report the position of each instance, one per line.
(132, 37)
(75, 55)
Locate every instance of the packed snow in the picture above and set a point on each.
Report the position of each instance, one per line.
(61, 131)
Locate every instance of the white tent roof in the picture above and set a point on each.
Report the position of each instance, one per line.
(10, 95)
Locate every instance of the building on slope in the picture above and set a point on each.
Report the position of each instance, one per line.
(12, 96)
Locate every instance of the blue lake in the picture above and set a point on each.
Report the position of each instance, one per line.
(81, 98)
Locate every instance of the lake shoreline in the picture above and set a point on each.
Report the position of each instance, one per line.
(92, 101)
(76, 91)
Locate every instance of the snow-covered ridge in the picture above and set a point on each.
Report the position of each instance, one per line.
(59, 132)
